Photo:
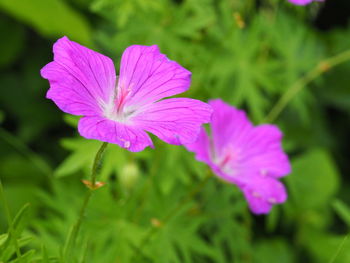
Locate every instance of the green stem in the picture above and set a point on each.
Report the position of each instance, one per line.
(322, 67)
(174, 211)
(70, 243)
(97, 163)
(9, 220)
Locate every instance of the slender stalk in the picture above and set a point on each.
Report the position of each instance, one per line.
(314, 73)
(70, 243)
(97, 163)
(9, 220)
(174, 211)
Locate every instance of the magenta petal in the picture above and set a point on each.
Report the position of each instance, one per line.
(150, 75)
(250, 157)
(264, 192)
(256, 149)
(263, 152)
(128, 137)
(228, 125)
(200, 147)
(175, 121)
(81, 80)
(301, 2)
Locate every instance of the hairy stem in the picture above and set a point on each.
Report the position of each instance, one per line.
(70, 243)
(97, 163)
(318, 70)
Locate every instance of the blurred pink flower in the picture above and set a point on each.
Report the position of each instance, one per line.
(250, 157)
(121, 110)
(304, 2)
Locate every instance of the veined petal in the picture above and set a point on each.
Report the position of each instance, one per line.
(146, 76)
(126, 136)
(81, 80)
(264, 192)
(175, 121)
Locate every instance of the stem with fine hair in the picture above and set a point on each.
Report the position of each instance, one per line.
(92, 186)
(318, 70)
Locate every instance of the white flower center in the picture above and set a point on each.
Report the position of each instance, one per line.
(116, 109)
(227, 161)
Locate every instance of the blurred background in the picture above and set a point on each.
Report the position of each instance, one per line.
(248, 52)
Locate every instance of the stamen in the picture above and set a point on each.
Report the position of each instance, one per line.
(272, 200)
(127, 144)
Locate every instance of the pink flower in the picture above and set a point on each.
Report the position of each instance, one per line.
(303, 2)
(121, 110)
(250, 157)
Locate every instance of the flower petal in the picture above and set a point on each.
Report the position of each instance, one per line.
(201, 147)
(128, 137)
(263, 152)
(263, 192)
(175, 121)
(150, 75)
(228, 125)
(301, 2)
(81, 80)
(257, 149)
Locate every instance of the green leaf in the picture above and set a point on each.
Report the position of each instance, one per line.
(51, 18)
(83, 154)
(314, 181)
(71, 120)
(19, 217)
(342, 210)
(12, 47)
(3, 239)
(25, 257)
(273, 251)
(45, 258)
(325, 247)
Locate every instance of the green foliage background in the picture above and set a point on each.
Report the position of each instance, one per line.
(250, 53)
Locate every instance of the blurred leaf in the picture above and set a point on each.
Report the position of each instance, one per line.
(52, 18)
(273, 251)
(83, 154)
(342, 210)
(3, 239)
(314, 181)
(25, 257)
(325, 247)
(12, 244)
(45, 258)
(13, 44)
(18, 219)
(71, 120)
(2, 116)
